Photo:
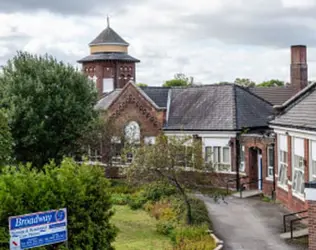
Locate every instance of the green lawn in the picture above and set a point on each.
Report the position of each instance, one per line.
(137, 231)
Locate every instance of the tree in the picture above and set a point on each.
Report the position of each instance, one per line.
(245, 82)
(142, 84)
(49, 105)
(271, 83)
(180, 80)
(165, 160)
(5, 139)
(82, 189)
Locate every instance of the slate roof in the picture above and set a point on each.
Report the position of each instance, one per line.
(109, 36)
(274, 95)
(300, 111)
(217, 107)
(158, 94)
(107, 100)
(109, 56)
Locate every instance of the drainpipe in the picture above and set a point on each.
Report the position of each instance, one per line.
(237, 161)
(273, 191)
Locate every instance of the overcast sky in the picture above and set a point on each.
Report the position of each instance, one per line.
(211, 40)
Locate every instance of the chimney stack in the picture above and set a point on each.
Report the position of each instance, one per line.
(299, 75)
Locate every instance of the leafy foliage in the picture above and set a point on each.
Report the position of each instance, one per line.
(180, 80)
(5, 139)
(245, 82)
(166, 160)
(271, 83)
(81, 189)
(49, 106)
(140, 84)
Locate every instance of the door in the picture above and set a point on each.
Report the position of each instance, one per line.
(259, 170)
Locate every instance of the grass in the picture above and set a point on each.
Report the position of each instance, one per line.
(137, 231)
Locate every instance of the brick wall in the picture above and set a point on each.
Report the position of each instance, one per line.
(121, 72)
(132, 106)
(312, 225)
(251, 161)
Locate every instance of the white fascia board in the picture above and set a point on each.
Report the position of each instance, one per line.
(295, 132)
(217, 134)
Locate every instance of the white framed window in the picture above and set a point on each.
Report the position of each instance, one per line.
(132, 132)
(242, 159)
(108, 85)
(298, 166)
(283, 161)
(270, 162)
(219, 157)
(312, 168)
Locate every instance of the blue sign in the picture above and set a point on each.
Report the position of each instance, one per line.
(38, 229)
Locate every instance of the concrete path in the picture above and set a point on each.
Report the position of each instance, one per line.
(247, 224)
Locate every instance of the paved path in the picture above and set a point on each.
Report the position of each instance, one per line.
(247, 224)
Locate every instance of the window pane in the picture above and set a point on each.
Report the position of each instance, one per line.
(217, 154)
(271, 156)
(226, 155)
(208, 154)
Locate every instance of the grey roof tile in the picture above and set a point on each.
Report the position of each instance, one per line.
(274, 95)
(300, 112)
(109, 36)
(106, 101)
(109, 56)
(216, 107)
(158, 94)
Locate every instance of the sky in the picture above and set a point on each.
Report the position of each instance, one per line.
(210, 40)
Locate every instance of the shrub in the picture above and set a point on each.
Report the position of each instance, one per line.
(189, 233)
(203, 243)
(119, 199)
(121, 187)
(199, 212)
(82, 189)
(164, 227)
(161, 210)
(157, 190)
(136, 200)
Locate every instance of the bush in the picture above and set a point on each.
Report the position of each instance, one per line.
(164, 227)
(157, 190)
(136, 200)
(81, 189)
(5, 139)
(199, 212)
(121, 187)
(119, 199)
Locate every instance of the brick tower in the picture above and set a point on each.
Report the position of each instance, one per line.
(109, 64)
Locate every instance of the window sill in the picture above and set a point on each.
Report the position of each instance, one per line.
(284, 187)
(269, 178)
(298, 196)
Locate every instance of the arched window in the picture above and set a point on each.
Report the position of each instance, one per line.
(132, 132)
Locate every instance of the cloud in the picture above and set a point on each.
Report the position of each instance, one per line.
(211, 40)
(65, 7)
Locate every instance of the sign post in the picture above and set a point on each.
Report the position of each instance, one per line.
(38, 229)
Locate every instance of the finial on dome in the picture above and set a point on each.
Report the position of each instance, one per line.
(108, 20)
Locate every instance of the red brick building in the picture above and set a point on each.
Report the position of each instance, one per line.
(232, 121)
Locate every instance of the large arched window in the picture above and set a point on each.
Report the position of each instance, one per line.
(132, 132)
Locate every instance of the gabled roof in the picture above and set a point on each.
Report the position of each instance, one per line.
(216, 107)
(109, 56)
(110, 37)
(274, 95)
(158, 96)
(299, 111)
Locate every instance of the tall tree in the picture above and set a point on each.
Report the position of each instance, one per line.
(179, 80)
(165, 160)
(271, 83)
(5, 139)
(245, 82)
(49, 105)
